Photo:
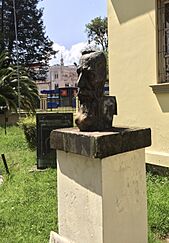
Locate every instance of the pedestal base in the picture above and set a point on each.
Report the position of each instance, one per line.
(55, 238)
(102, 200)
(102, 184)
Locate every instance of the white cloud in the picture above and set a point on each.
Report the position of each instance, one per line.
(69, 55)
(72, 55)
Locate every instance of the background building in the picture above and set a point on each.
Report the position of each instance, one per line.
(43, 85)
(60, 88)
(62, 76)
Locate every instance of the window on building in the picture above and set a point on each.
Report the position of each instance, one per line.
(163, 40)
(56, 76)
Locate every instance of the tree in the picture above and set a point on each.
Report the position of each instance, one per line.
(1, 24)
(34, 47)
(9, 86)
(97, 31)
(7, 93)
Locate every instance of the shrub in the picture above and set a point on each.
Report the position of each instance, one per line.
(28, 124)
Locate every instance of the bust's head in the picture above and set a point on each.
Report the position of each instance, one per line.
(92, 75)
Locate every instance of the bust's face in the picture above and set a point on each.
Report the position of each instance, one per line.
(90, 78)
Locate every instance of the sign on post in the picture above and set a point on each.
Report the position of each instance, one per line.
(46, 122)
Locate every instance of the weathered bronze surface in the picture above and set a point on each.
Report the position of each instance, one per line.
(96, 110)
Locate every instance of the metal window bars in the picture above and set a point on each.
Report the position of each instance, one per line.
(163, 40)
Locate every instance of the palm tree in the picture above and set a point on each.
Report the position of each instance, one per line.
(9, 86)
(7, 93)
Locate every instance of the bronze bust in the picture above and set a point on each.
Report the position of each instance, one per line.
(96, 110)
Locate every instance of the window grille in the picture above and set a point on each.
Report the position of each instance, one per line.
(163, 40)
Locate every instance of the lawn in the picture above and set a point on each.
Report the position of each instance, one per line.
(158, 207)
(27, 197)
(28, 208)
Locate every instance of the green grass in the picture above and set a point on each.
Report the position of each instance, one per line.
(27, 199)
(158, 206)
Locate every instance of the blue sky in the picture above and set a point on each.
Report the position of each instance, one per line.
(65, 22)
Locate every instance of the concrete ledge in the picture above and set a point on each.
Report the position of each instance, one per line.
(157, 158)
(160, 88)
(100, 144)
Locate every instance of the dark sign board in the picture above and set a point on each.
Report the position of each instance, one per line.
(45, 123)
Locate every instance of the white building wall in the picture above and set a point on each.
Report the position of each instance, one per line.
(62, 76)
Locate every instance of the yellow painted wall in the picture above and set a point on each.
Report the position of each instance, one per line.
(133, 68)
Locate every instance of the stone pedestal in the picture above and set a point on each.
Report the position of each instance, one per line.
(102, 185)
